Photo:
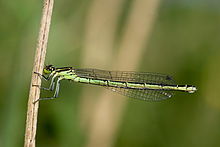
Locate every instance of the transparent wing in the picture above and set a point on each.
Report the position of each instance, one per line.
(144, 77)
(147, 94)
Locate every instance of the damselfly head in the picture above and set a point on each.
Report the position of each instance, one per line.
(48, 69)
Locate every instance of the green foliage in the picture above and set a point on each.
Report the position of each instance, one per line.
(184, 43)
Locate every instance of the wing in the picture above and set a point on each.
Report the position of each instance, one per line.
(147, 94)
(126, 76)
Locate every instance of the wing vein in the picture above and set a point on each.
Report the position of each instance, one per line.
(127, 76)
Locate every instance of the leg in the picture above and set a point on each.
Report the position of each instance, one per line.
(51, 87)
(55, 94)
(57, 88)
(43, 76)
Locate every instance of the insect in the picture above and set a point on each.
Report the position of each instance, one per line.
(139, 85)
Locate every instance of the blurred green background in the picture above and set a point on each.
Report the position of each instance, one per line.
(183, 42)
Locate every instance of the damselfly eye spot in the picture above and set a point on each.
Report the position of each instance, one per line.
(48, 69)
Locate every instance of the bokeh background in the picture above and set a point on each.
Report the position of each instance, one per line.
(179, 38)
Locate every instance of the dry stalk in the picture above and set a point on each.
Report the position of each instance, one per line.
(34, 94)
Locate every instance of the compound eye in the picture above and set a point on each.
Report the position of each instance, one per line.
(52, 68)
(49, 67)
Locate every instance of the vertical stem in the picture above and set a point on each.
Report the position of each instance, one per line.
(34, 94)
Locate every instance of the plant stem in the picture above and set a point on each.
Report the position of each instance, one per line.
(34, 93)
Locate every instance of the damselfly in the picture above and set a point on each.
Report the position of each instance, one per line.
(144, 86)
